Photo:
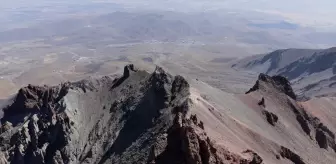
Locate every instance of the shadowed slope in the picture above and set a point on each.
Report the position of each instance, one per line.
(158, 118)
(136, 118)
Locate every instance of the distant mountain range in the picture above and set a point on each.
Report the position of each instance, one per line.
(313, 72)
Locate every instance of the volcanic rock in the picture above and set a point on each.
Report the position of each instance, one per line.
(287, 153)
(262, 102)
(271, 117)
(139, 117)
(157, 118)
(279, 82)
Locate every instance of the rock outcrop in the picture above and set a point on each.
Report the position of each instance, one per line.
(92, 121)
(187, 143)
(290, 155)
(278, 91)
(262, 102)
(278, 82)
(271, 117)
(312, 126)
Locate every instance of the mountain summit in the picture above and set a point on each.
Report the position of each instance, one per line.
(136, 118)
(157, 118)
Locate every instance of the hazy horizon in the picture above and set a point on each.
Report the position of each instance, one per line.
(310, 13)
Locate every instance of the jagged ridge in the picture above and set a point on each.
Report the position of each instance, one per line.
(278, 87)
(136, 118)
(91, 121)
(278, 82)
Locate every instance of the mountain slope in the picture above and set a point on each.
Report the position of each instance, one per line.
(242, 122)
(311, 71)
(136, 118)
(157, 118)
(272, 62)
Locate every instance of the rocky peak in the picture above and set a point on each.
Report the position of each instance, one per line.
(279, 82)
(188, 143)
(34, 99)
(93, 121)
(135, 118)
(311, 126)
(128, 69)
(160, 75)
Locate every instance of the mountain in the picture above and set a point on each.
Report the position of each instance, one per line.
(311, 71)
(136, 117)
(142, 117)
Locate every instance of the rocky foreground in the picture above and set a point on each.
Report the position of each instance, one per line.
(157, 118)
